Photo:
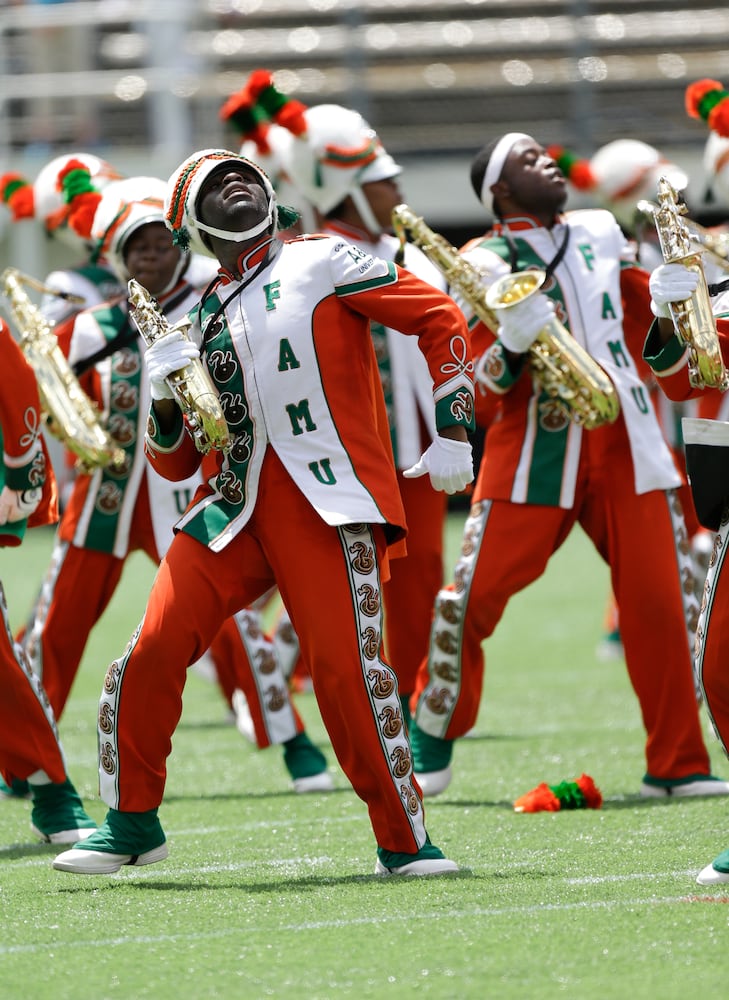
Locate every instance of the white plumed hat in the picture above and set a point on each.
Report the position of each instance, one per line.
(628, 170)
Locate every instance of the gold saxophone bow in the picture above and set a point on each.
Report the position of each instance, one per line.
(191, 385)
(563, 367)
(70, 415)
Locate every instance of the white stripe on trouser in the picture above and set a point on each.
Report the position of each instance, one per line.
(32, 643)
(273, 692)
(439, 697)
(107, 727)
(687, 576)
(716, 562)
(380, 681)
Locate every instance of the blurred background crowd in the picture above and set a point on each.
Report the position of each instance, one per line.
(141, 83)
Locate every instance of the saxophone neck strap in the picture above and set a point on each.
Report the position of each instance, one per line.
(551, 266)
(124, 337)
(720, 286)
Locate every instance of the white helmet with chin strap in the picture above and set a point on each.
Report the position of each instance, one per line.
(124, 208)
(334, 157)
(183, 191)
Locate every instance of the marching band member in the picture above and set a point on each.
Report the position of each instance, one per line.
(30, 748)
(707, 458)
(542, 474)
(307, 492)
(335, 164)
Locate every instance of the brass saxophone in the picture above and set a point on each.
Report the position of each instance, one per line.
(714, 243)
(692, 318)
(562, 367)
(192, 386)
(70, 415)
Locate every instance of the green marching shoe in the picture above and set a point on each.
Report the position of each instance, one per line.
(307, 765)
(717, 873)
(123, 838)
(431, 761)
(429, 860)
(58, 815)
(17, 789)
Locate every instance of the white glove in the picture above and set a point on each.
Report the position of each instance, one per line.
(670, 283)
(521, 322)
(17, 505)
(449, 464)
(167, 355)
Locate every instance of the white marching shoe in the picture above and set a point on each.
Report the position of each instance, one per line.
(434, 782)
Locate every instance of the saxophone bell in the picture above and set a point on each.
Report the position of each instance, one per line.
(562, 366)
(591, 399)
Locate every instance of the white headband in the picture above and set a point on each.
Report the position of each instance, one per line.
(496, 164)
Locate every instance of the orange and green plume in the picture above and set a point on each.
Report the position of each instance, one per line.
(17, 193)
(707, 99)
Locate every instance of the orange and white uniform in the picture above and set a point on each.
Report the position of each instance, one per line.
(29, 743)
(306, 499)
(541, 474)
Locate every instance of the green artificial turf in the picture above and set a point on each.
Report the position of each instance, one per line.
(270, 894)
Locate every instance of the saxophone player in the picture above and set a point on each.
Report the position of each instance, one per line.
(707, 459)
(541, 475)
(306, 498)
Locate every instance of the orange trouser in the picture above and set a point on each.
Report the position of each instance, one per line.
(28, 735)
(509, 545)
(329, 580)
(415, 580)
(77, 589)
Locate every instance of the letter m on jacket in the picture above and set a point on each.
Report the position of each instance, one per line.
(299, 414)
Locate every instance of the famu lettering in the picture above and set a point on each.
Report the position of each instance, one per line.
(286, 357)
(272, 293)
(617, 349)
(323, 472)
(182, 500)
(588, 255)
(299, 413)
(608, 309)
(638, 394)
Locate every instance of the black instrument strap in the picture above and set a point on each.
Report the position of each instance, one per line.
(551, 266)
(238, 291)
(127, 335)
